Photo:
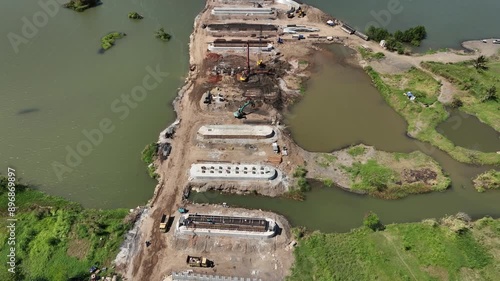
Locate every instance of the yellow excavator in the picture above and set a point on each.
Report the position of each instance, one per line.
(260, 63)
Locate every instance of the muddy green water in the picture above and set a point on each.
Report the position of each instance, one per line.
(57, 85)
(467, 131)
(341, 108)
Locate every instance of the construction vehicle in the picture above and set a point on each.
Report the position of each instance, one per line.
(182, 210)
(198, 262)
(163, 222)
(300, 13)
(276, 148)
(240, 113)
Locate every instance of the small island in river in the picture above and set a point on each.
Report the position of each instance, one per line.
(82, 5)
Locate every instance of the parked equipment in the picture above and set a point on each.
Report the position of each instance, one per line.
(198, 262)
(182, 210)
(163, 222)
(276, 148)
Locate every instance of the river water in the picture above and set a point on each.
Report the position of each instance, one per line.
(54, 85)
(58, 85)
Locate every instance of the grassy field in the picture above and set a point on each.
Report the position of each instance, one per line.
(363, 169)
(487, 180)
(424, 114)
(476, 83)
(396, 175)
(59, 240)
(430, 250)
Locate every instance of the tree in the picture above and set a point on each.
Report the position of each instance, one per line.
(491, 94)
(399, 35)
(372, 221)
(480, 63)
(377, 33)
(418, 33)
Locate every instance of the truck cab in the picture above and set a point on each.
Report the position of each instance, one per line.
(163, 222)
(199, 262)
(276, 148)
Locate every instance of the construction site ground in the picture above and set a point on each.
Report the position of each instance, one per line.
(267, 259)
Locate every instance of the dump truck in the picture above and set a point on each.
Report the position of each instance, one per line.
(163, 222)
(198, 262)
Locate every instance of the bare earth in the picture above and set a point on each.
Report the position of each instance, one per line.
(267, 259)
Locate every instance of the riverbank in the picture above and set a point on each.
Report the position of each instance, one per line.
(489, 180)
(60, 240)
(452, 248)
(365, 170)
(219, 84)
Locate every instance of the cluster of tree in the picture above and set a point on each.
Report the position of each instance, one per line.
(394, 42)
(81, 5)
(161, 34)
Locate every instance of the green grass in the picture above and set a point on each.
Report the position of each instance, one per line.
(325, 160)
(57, 239)
(370, 55)
(356, 151)
(148, 156)
(487, 180)
(302, 183)
(410, 251)
(303, 89)
(370, 176)
(384, 176)
(422, 120)
(475, 83)
(327, 182)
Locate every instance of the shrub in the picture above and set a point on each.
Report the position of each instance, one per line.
(298, 232)
(456, 103)
(148, 154)
(303, 185)
(300, 172)
(327, 182)
(373, 222)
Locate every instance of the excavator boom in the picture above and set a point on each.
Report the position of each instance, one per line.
(239, 113)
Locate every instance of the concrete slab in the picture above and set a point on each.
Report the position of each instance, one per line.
(236, 132)
(232, 172)
(226, 226)
(218, 11)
